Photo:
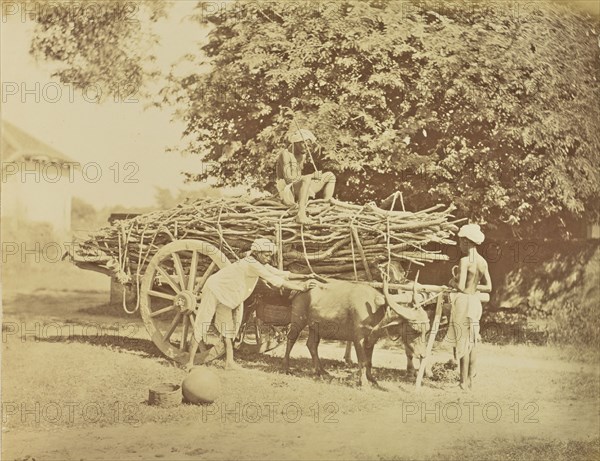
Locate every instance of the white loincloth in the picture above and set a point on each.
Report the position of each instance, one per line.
(463, 331)
(226, 320)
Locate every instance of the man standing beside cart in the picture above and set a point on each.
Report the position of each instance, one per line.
(225, 291)
(292, 185)
(463, 332)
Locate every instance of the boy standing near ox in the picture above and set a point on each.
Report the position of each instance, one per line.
(225, 291)
(463, 332)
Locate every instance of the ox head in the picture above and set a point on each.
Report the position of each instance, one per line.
(412, 324)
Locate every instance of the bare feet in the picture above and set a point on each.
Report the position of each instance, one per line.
(233, 366)
(304, 220)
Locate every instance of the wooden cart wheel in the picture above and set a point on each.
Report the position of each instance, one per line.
(170, 293)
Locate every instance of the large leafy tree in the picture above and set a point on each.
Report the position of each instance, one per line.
(107, 44)
(495, 108)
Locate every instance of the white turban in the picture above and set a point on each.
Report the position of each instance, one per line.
(473, 233)
(301, 135)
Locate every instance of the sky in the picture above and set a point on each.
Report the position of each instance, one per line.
(123, 142)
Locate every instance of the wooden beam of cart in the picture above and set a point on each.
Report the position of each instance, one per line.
(434, 330)
(410, 287)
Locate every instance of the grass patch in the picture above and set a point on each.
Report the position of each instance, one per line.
(525, 449)
(107, 386)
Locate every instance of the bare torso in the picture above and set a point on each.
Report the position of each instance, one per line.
(472, 269)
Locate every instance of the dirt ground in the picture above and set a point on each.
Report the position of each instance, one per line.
(75, 385)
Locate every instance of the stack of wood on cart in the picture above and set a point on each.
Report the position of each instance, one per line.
(346, 241)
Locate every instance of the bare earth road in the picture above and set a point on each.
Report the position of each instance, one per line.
(82, 395)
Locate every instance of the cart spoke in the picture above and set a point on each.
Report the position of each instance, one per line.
(171, 288)
(193, 270)
(183, 343)
(207, 274)
(179, 269)
(169, 279)
(172, 327)
(162, 311)
(160, 294)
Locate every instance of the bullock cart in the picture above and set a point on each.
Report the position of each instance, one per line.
(167, 256)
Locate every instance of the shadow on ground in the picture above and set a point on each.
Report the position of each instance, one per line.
(339, 372)
(78, 308)
(52, 302)
(141, 347)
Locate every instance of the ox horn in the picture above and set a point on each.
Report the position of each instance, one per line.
(404, 312)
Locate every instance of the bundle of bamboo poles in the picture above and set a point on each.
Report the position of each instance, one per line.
(346, 241)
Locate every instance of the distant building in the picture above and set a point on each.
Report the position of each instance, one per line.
(37, 182)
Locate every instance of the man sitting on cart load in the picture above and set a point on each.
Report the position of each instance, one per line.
(225, 291)
(291, 184)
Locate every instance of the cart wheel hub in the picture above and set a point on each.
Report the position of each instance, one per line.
(185, 301)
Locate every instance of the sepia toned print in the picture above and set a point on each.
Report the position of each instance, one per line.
(361, 229)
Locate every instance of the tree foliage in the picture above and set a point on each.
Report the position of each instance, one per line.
(107, 45)
(494, 108)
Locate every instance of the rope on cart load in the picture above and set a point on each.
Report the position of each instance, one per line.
(352, 241)
(304, 250)
(221, 238)
(137, 279)
(279, 242)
